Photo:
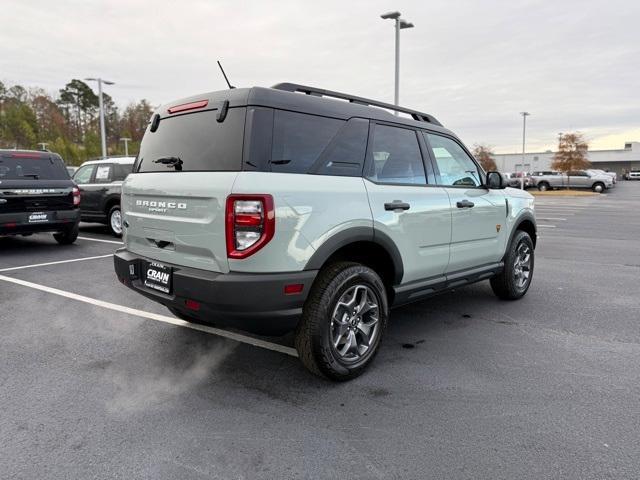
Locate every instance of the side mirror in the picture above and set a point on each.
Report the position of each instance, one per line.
(495, 181)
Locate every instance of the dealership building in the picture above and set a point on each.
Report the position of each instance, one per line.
(624, 159)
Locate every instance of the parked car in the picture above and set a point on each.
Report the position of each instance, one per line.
(519, 179)
(613, 175)
(37, 195)
(100, 183)
(578, 179)
(279, 209)
(633, 175)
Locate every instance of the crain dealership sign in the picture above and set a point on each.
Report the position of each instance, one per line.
(159, 206)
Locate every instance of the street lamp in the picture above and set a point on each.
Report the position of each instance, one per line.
(524, 132)
(400, 24)
(103, 135)
(126, 145)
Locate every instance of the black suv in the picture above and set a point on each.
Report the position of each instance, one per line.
(37, 195)
(100, 182)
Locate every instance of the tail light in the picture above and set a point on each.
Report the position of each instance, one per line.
(250, 224)
(76, 196)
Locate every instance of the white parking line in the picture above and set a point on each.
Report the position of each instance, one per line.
(546, 226)
(100, 240)
(552, 218)
(55, 263)
(157, 317)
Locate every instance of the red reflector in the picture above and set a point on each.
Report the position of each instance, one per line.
(188, 106)
(293, 289)
(10, 225)
(192, 305)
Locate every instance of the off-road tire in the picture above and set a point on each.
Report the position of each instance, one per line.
(68, 236)
(112, 211)
(313, 336)
(504, 284)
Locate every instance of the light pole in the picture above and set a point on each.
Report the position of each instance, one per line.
(43, 146)
(399, 25)
(103, 134)
(126, 145)
(524, 133)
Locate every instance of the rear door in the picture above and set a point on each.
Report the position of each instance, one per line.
(478, 233)
(405, 204)
(84, 179)
(174, 201)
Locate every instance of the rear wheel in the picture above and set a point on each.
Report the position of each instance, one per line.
(543, 186)
(598, 187)
(114, 217)
(68, 236)
(343, 321)
(514, 280)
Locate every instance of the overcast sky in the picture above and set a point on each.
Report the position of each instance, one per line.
(575, 65)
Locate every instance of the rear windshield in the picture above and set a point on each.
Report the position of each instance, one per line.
(194, 142)
(14, 167)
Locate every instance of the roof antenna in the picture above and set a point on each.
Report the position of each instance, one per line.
(225, 75)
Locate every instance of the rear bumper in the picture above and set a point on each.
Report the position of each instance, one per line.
(18, 223)
(252, 302)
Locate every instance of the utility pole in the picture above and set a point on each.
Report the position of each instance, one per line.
(126, 145)
(103, 133)
(524, 133)
(399, 25)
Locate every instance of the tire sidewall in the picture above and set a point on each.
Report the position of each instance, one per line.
(346, 279)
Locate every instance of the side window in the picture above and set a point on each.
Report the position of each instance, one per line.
(345, 155)
(103, 173)
(121, 170)
(456, 167)
(299, 139)
(396, 156)
(83, 175)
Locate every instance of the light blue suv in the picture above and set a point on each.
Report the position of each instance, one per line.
(296, 208)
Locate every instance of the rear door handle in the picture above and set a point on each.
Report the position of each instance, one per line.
(397, 205)
(465, 204)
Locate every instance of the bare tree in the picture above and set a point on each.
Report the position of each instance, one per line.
(571, 154)
(484, 155)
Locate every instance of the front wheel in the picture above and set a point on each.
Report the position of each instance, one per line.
(514, 280)
(343, 321)
(115, 221)
(598, 187)
(543, 186)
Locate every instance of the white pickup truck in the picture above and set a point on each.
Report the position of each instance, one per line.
(546, 180)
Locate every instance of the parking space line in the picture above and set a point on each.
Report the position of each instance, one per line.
(55, 263)
(99, 240)
(546, 226)
(155, 316)
(553, 218)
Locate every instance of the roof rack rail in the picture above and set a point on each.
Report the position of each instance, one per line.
(319, 92)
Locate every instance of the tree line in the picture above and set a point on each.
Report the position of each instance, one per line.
(68, 124)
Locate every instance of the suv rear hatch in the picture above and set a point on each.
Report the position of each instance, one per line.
(174, 201)
(34, 182)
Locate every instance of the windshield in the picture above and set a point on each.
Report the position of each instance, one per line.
(194, 142)
(37, 167)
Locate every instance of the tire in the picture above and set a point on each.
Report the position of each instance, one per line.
(509, 284)
(114, 221)
(598, 187)
(68, 236)
(543, 186)
(326, 333)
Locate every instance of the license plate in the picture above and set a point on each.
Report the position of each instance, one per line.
(158, 277)
(39, 217)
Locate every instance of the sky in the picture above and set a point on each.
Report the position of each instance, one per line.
(475, 65)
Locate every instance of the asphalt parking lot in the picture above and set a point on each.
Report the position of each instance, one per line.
(96, 384)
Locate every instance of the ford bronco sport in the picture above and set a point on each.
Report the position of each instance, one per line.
(296, 208)
(37, 195)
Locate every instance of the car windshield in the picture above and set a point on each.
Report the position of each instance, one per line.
(21, 167)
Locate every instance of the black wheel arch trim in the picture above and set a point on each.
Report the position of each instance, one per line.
(519, 220)
(353, 235)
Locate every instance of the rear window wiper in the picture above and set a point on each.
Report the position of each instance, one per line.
(175, 162)
(32, 175)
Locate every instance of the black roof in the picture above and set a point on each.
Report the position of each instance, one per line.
(304, 99)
